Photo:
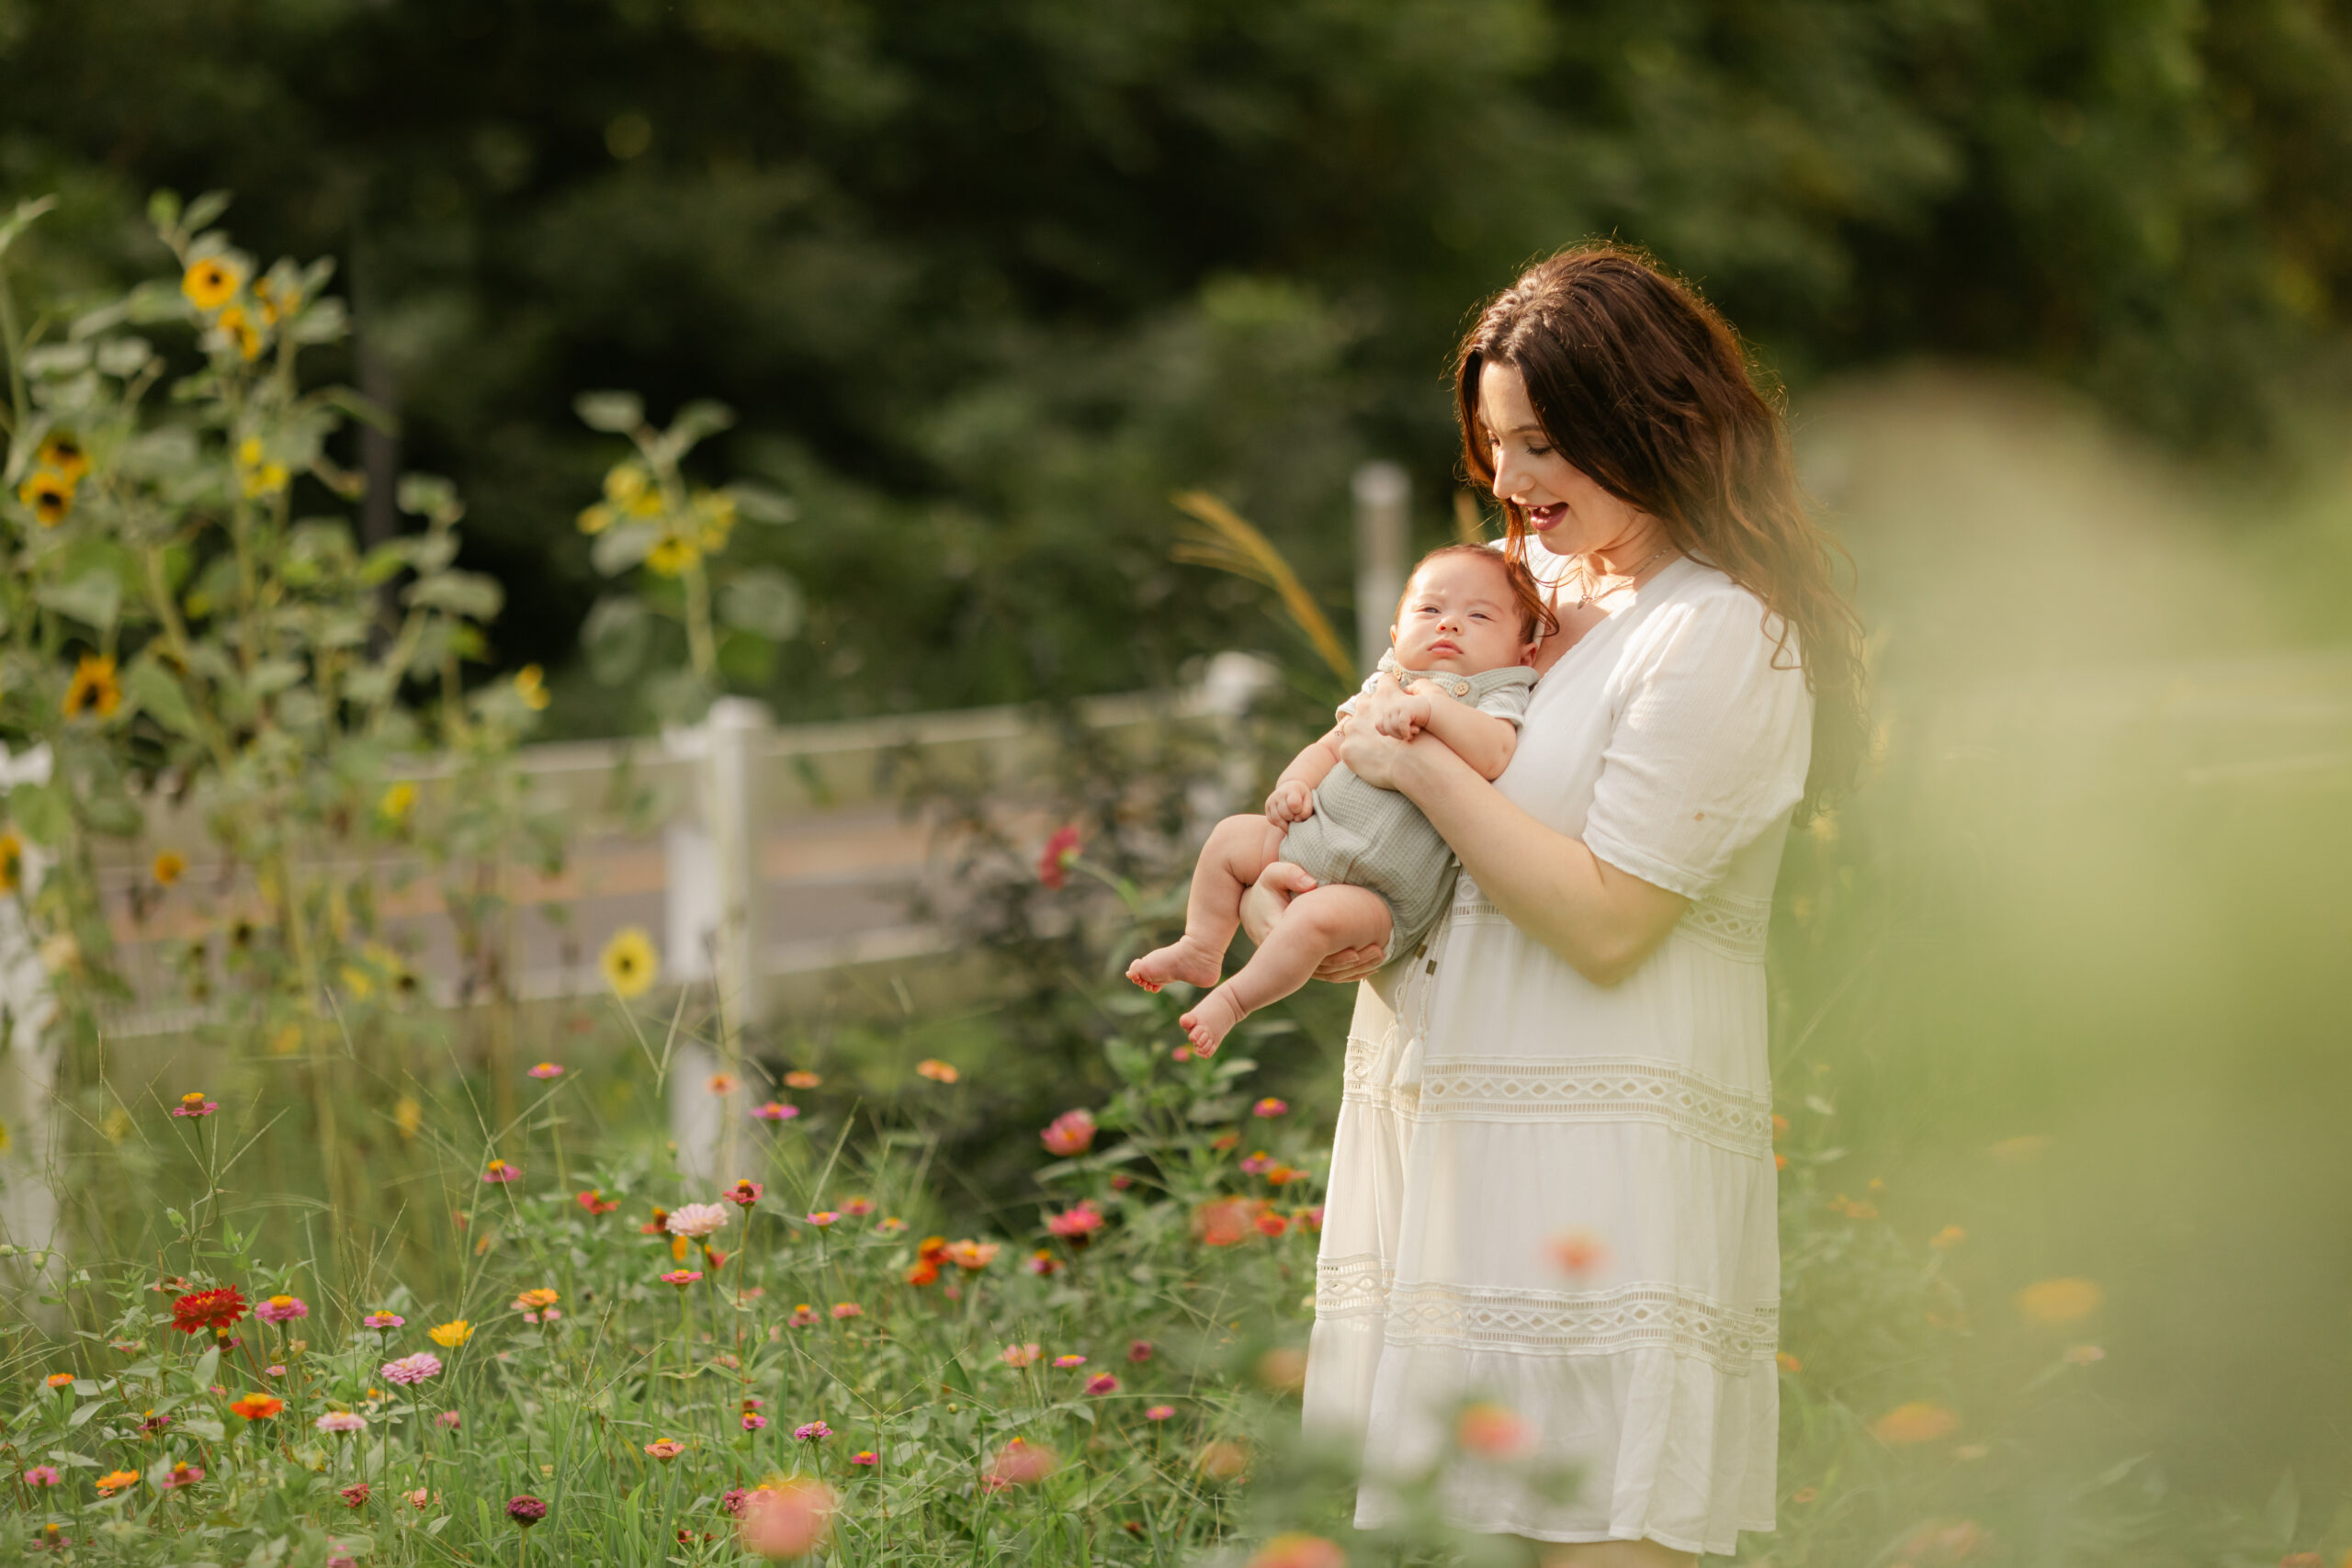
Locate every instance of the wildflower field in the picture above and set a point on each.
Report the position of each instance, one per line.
(349, 1269)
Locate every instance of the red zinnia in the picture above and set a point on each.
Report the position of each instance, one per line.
(217, 1310)
(595, 1202)
(1053, 863)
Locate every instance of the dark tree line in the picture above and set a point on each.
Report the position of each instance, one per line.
(987, 281)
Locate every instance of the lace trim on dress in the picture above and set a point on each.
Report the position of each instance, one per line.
(1354, 1286)
(1517, 1089)
(1733, 1339)
(1732, 924)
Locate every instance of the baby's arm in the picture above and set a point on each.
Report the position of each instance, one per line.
(1483, 740)
(1293, 799)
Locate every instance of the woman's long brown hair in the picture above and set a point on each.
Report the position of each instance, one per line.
(1644, 389)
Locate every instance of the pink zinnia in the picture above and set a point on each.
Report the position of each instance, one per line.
(812, 1432)
(1066, 1363)
(803, 1316)
(1158, 1412)
(775, 1110)
(1019, 1463)
(410, 1370)
(865, 1456)
(546, 1070)
(448, 1420)
(696, 1220)
(1054, 860)
(281, 1309)
(382, 1320)
(754, 1421)
(1101, 1382)
(498, 1170)
(1139, 1351)
(1020, 1355)
(682, 1278)
(823, 1218)
(341, 1421)
(858, 1208)
(1268, 1106)
(1071, 1133)
(1076, 1224)
(848, 1309)
(42, 1475)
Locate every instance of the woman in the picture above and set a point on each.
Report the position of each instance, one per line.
(1553, 1185)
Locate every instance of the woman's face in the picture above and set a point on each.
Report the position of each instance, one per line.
(1569, 513)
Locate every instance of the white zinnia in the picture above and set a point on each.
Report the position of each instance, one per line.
(698, 1219)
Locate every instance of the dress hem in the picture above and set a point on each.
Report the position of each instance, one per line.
(1368, 1517)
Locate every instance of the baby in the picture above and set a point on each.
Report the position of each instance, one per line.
(1457, 667)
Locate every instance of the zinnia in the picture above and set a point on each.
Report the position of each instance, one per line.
(410, 1370)
(1056, 858)
(451, 1335)
(812, 1432)
(526, 1511)
(1021, 1463)
(381, 1320)
(697, 1219)
(595, 1202)
(217, 1310)
(1296, 1549)
(546, 1070)
(848, 1309)
(115, 1481)
(341, 1421)
(745, 1193)
(281, 1309)
(258, 1406)
(1101, 1382)
(195, 1104)
(1071, 1133)
(1492, 1431)
(42, 1475)
(682, 1278)
(786, 1519)
(498, 1170)
(1076, 1224)
(665, 1449)
(1020, 1355)
(937, 1071)
(1268, 1106)
(775, 1110)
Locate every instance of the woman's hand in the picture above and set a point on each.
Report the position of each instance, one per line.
(1378, 760)
(1266, 899)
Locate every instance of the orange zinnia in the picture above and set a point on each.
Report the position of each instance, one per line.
(259, 1406)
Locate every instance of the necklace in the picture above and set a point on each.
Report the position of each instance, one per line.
(1585, 599)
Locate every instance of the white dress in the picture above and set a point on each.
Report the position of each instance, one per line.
(1495, 1101)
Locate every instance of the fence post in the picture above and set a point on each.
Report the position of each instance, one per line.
(713, 927)
(1382, 494)
(29, 1204)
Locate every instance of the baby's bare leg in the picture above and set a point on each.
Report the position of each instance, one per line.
(1239, 848)
(1319, 923)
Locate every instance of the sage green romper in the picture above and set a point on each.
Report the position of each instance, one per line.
(1375, 838)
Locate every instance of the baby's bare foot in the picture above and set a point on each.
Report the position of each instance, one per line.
(1195, 963)
(1210, 1023)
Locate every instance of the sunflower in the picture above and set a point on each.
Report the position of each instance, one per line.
(62, 453)
(49, 493)
(240, 328)
(531, 685)
(673, 555)
(94, 688)
(260, 476)
(212, 282)
(630, 963)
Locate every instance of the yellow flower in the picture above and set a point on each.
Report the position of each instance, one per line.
(49, 494)
(451, 1335)
(357, 981)
(630, 963)
(628, 484)
(259, 475)
(115, 1481)
(275, 307)
(2059, 1301)
(595, 519)
(397, 801)
(532, 1300)
(93, 688)
(168, 865)
(240, 329)
(12, 861)
(1916, 1422)
(408, 1115)
(673, 555)
(212, 282)
(61, 455)
(531, 685)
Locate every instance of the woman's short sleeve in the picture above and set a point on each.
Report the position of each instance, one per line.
(1710, 749)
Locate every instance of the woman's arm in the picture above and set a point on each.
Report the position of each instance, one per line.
(1602, 922)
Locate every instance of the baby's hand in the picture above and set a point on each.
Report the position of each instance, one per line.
(1291, 802)
(1397, 714)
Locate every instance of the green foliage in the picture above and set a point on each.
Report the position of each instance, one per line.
(985, 288)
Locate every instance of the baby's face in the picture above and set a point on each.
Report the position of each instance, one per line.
(1459, 615)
